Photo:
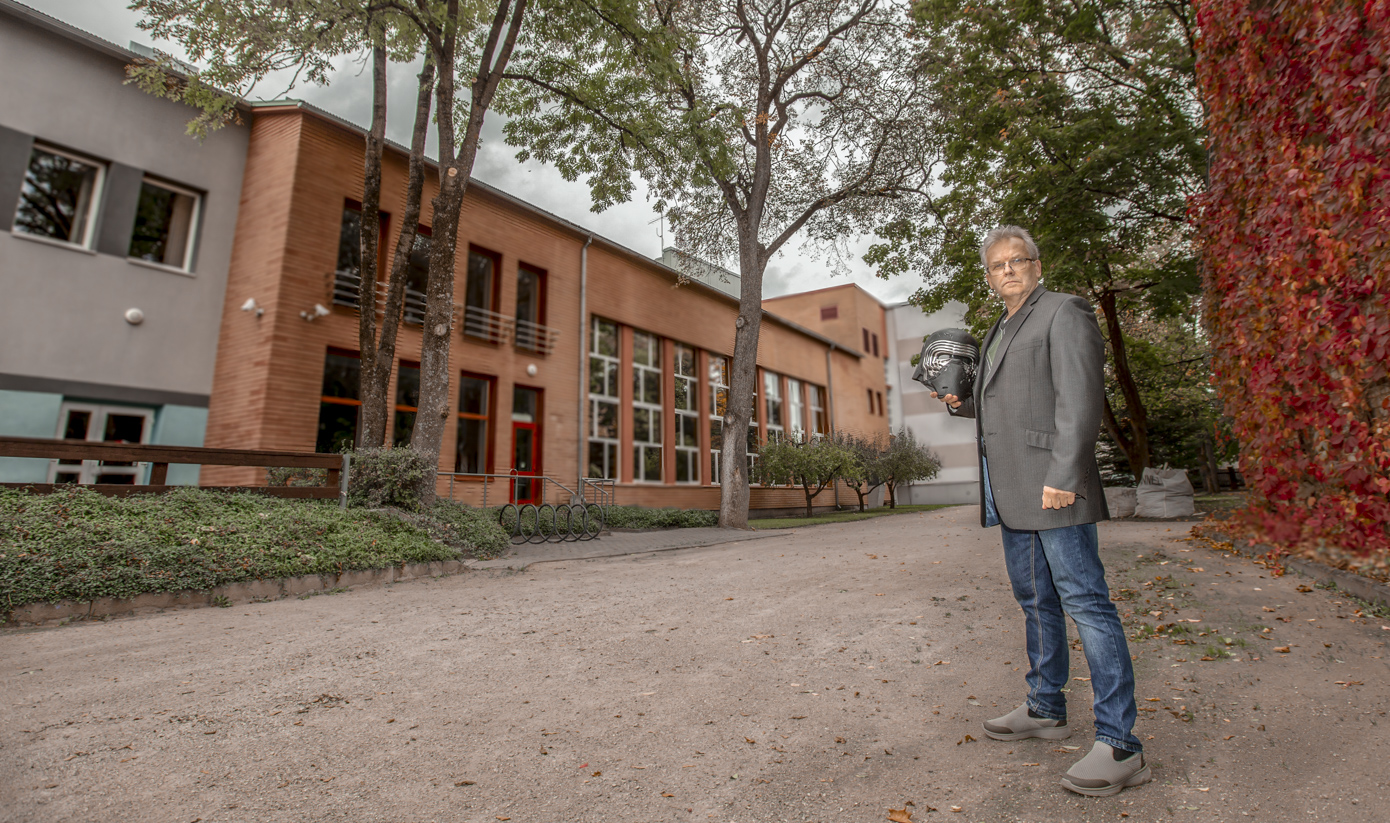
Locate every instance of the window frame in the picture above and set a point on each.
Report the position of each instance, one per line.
(689, 416)
(194, 219)
(398, 408)
(89, 226)
(717, 365)
(612, 446)
(542, 277)
(332, 400)
(488, 416)
(642, 450)
(90, 471)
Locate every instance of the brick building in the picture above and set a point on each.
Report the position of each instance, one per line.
(573, 356)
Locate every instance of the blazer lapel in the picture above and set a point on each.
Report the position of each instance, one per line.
(1010, 332)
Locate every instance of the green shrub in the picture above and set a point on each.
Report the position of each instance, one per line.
(474, 531)
(387, 477)
(635, 517)
(78, 545)
(284, 476)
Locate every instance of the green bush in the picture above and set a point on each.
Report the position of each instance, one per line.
(474, 531)
(283, 476)
(387, 477)
(78, 545)
(635, 517)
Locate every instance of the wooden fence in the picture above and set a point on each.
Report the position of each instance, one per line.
(159, 458)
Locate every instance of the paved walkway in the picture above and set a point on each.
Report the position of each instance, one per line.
(619, 544)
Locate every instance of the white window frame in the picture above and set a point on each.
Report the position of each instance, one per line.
(98, 187)
(815, 401)
(796, 409)
(772, 394)
(642, 375)
(612, 445)
(687, 416)
(718, 382)
(187, 266)
(90, 470)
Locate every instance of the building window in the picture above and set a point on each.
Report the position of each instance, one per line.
(417, 277)
(796, 410)
(339, 401)
(604, 370)
(347, 274)
(866, 340)
(874, 339)
(102, 424)
(879, 395)
(772, 391)
(687, 385)
(530, 309)
(718, 407)
(646, 408)
(815, 400)
(871, 400)
(59, 196)
(480, 317)
(165, 221)
(829, 313)
(407, 402)
(474, 414)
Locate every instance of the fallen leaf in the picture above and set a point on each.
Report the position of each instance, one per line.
(1266, 608)
(1084, 679)
(597, 774)
(1204, 790)
(1305, 589)
(899, 815)
(667, 794)
(500, 817)
(798, 717)
(750, 740)
(1282, 649)
(1228, 737)
(839, 740)
(956, 809)
(966, 739)
(1032, 764)
(466, 783)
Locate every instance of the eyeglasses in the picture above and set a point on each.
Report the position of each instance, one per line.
(1014, 264)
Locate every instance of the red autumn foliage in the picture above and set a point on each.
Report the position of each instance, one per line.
(1295, 234)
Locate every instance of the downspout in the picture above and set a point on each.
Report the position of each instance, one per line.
(830, 408)
(583, 365)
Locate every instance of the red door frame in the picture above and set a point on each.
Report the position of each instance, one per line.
(535, 470)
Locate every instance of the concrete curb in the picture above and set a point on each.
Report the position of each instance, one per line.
(1366, 588)
(502, 564)
(38, 614)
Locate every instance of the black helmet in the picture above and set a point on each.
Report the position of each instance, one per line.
(947, 363)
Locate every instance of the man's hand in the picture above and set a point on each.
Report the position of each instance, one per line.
(949, 399)
(1056, 498)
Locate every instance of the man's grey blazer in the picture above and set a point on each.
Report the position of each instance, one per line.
(1038, 412)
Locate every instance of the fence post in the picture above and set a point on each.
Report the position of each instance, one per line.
(343, 482)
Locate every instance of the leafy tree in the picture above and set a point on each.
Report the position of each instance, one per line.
(1081, 121)
(812, 463)
(749, 120)
(904, 461)
(871, 452)
(242, 42)
(1295, 234)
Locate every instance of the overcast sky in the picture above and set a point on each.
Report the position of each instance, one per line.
(349, 96)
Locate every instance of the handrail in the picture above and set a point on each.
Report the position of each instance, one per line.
(336, 465)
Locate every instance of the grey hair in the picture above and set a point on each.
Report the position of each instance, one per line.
(1007, 233)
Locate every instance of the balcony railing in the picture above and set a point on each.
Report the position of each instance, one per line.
(486, 325)
(347, 288)
(535, 337)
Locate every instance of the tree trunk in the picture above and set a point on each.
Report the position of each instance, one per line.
(1209, 470)
(376, 413)
(810, 496)
(733, 491)
(892, 495)
(454, 168)
(372, 389)
(1136, 447)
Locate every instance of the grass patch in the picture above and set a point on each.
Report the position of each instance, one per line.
(78, 545)
(836, 517)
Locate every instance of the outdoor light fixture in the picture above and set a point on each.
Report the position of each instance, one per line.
(319, 311)
(134, 317)
(250, 305)
(531, 370)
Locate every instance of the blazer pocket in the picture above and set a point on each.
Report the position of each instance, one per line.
(1042, 440)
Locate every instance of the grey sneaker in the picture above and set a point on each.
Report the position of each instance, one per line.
(1099, 774)
(1017, 725)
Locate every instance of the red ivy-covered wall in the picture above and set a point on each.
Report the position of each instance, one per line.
(1295, 234)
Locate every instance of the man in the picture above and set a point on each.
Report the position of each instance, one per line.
(1037, 407)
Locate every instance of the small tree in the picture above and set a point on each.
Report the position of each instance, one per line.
(811, 462)
(870, 453)
(904, 461)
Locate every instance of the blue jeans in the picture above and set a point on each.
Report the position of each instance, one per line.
(1056, 572)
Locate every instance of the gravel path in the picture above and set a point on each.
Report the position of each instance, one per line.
(826, 674)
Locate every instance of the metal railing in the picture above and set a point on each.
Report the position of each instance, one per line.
(535, 337)
(486, 325)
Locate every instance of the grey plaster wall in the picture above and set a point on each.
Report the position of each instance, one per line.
(62, 308)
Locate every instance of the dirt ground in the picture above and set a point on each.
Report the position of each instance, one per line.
(827, 674)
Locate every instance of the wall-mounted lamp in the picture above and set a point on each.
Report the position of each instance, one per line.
(250, 305)
(134, 317)
(319, 311)
(531, 370)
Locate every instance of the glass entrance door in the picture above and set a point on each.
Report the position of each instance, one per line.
(105, 424)
(526, 445)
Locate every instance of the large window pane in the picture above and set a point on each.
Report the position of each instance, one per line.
(407, 403)
(646, 416)
(417, 278)
(339, 402)
(604, 370)
(164, 223)
(687, 389)
(474, 417)
(58, 196)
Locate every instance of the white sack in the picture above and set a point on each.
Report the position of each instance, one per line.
(1120, 500)
(1164, 493)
